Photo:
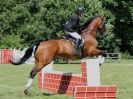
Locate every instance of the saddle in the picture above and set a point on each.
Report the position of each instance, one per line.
(74, 41)
(77, 43)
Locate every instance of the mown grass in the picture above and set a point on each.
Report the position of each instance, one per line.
(13, 79)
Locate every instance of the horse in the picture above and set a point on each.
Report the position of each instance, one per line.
(46, 51)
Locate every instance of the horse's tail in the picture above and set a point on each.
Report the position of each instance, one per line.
(27, 54)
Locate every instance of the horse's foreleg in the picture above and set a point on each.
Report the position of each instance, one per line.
(94, 52)
(98, 53)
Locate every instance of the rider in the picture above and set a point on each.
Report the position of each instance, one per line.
(71, 27)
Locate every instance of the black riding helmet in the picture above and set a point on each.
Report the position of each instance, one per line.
(80, 10)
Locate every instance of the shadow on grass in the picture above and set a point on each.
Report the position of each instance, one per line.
(39, 94)
(48, 94)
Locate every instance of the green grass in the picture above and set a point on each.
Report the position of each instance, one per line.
(13, 79)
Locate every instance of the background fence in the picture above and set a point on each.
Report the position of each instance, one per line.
(13, 55)
(16, 54)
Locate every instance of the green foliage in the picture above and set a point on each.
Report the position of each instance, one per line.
(33, 20)
(123, 13)
(126, 55)
(11, 40)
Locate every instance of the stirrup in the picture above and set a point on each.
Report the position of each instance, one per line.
(77, 52)
(81, 42)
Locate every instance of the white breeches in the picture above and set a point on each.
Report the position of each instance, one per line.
(74, 34)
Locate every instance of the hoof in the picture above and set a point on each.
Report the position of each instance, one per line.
(25, 92)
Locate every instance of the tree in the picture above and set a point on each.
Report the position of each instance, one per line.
(122, 10)
(9, 40)
(33, 20)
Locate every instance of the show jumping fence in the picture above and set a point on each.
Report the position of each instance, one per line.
(13, 55)
(6, 55)
(81, 86)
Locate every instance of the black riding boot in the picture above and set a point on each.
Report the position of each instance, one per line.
(77, 50)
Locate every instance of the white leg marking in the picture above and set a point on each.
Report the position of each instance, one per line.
(28, 84)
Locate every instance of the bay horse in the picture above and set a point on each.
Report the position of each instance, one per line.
(46, 51)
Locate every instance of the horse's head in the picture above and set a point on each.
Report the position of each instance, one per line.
(94, 25)
(101, 25)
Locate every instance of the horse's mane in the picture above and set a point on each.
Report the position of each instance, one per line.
(85, 25)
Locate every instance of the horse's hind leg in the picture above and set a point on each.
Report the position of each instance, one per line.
(30, 80)
(33, 73)
(43, 57)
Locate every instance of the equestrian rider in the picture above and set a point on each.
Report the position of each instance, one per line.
(71, 27)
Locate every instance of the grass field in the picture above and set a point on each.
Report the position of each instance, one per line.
(13, 79)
